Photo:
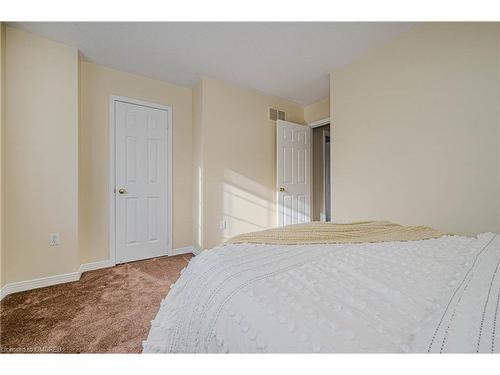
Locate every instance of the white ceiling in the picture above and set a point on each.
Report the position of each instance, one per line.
(289, 60)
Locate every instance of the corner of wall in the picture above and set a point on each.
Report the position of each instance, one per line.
(234, 154)
(197, 115)
(498, 109)
(80, 130)
(45, 138)
(317, 111)
(2, 148)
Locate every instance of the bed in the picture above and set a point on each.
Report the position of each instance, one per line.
(336, 288)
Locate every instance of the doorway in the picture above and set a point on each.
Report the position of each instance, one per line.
(141, 177)
(321, 173)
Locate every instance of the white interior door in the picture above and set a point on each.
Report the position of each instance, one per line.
(294, 173)
(141, 182)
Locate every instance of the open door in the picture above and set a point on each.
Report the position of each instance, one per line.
(293, 172)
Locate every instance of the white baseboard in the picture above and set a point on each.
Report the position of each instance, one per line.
(95, 266)
(196, 251)
(43, 282)
(183, 250)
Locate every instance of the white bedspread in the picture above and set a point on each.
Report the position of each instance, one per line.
(439, 295)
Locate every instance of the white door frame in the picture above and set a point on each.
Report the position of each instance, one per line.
(323, 138)
(317, 124)
(112, 195)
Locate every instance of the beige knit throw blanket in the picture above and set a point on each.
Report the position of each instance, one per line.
(320, 232)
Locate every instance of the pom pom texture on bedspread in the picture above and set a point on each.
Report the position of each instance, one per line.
(435, 295)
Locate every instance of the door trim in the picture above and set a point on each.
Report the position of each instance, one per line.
(111, 188)
(323, 154)
(322, 122)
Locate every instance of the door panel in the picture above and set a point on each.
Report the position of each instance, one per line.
(130, 159)
(141, 181)
(153, 218)
(287, 209)
(153, 160)
(294, 173)
(287, 165)
(131, 219)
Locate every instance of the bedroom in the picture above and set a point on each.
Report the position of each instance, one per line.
(128, 158)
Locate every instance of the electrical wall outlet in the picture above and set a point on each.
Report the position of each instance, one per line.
(223, 224)
(54, 239)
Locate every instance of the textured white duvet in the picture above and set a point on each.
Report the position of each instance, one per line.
(439, 295)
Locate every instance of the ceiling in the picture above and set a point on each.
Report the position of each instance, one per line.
(288, 60)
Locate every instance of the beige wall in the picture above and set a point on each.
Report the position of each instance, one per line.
(415, 137)
(239, 159)
(41, 156)
(97, 84)
(2, 125)
(498, 56)
(317, 111)
(197, 226)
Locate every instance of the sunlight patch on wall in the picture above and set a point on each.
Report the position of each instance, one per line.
(248, 205)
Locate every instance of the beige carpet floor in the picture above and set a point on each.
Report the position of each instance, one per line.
(106, 311)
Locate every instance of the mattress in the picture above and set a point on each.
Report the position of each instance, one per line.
(433, 295)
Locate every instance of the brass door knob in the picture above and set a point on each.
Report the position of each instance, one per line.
(282, 189)
(122, 191)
